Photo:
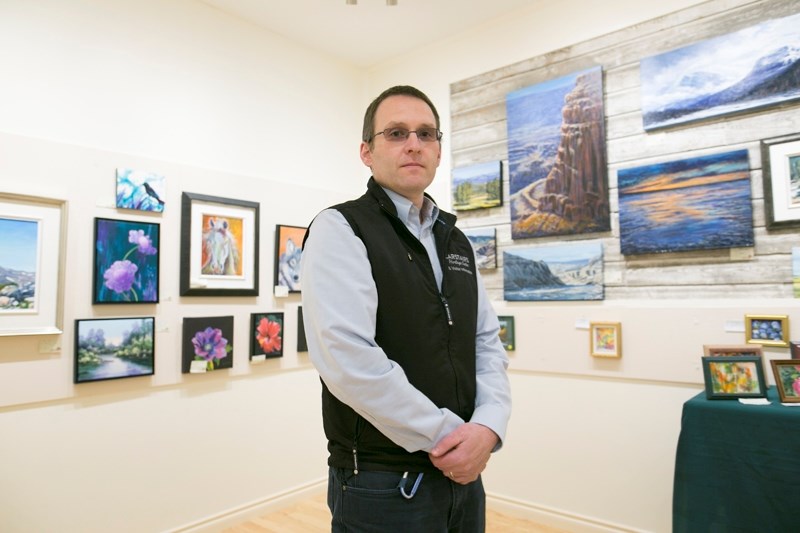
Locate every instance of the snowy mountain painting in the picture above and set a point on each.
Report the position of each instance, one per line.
(751, 68)
(19, 261)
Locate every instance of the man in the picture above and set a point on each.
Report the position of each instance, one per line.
(415, 395)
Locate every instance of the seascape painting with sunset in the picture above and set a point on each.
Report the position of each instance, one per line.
(690, 204)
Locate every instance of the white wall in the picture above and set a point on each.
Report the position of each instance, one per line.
(225, 108)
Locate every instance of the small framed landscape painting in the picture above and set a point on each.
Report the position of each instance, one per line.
(507, 332)
(787, 379)
(266, 336)
(125, 261)
(113, 348)
(484, 243)
(605, 339)
(478, 186)
(207, 344)
(780, 165)
(768, 330)
(737, 376)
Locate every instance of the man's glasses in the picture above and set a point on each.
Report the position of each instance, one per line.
(400, 135)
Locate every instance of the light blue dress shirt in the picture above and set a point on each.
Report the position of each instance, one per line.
(340, 302)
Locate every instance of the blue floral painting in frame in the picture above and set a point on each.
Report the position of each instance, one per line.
(207, 344)
(688, 204)
(126, 263)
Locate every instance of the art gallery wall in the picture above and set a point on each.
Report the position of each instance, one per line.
(176, 86)
(591, 443)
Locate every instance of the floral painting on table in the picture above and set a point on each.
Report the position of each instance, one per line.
(207, 344)
(140, 190)
(125, 261)
(266, 335)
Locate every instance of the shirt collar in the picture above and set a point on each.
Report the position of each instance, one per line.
(404, 205)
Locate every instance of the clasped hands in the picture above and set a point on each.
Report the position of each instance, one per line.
(463, 453)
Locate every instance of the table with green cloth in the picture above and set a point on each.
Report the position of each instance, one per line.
(737, 467)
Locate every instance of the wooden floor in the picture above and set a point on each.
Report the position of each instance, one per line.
(312, 516)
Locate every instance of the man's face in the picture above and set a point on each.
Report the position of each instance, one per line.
(406, 167)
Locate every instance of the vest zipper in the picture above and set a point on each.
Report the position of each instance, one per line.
(447, 310)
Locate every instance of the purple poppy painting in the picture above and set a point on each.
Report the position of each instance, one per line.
(207, 344)
(125, 261)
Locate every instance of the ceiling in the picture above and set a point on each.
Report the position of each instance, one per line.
(370, 32)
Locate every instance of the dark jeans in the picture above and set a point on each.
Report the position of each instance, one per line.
(372, 502)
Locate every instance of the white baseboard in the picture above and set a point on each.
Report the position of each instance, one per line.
(554, 518)
(243, 513)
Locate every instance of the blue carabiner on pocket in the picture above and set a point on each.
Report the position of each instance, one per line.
(402, 486)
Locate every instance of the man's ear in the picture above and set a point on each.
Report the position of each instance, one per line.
(366, 154)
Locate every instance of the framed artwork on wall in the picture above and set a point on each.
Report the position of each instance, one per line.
(716, 350)
(288, 251)
(302, 345)
(767, 330)
(507, 332)
(731, 377)
(478, 186)
(484, 242)
(219, 246)
(32, 249)
(780, 164)
(732, 73)
(207, 344)
(266, 336)
(114, 348)
(605, 339)
(696, 203)
(787, 379)
(126, 262)
(558, 177)
(563, 272)
(143, 191)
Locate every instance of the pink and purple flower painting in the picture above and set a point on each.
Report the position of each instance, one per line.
(125, 261)
(266, 335)
(208, 340)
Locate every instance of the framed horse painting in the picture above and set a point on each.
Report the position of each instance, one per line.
(219, 246)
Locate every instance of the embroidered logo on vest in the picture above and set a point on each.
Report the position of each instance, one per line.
(460, 263)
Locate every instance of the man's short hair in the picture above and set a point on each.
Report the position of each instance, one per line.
(368, 133)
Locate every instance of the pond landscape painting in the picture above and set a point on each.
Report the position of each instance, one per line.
(571, 271)
(478, 186)
(689, 204)
(558, 180)
(113, 348)
(752, 68)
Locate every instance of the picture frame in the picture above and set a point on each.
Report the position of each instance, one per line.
(477, 186)
(507, 332)
(266, 335)
(219, 246)
(207, 344)
(715, 350)
(484, 244)
(288, 253)
(605, 339)
(140, 190)
(787, 379)
(780, 164)
(126, 262)
(794, 349)
(732, 377)
(33, 245)
(767, 330)
(114, 348)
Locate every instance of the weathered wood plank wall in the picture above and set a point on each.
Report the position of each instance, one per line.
(479, 135)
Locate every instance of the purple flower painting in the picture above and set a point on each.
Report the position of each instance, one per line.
(125, 261)
(209, 342)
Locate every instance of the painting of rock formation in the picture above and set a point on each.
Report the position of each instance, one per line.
(558, 179)
(571, 271)
(748, 69)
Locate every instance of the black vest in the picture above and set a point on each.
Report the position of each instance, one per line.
(431, 335)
